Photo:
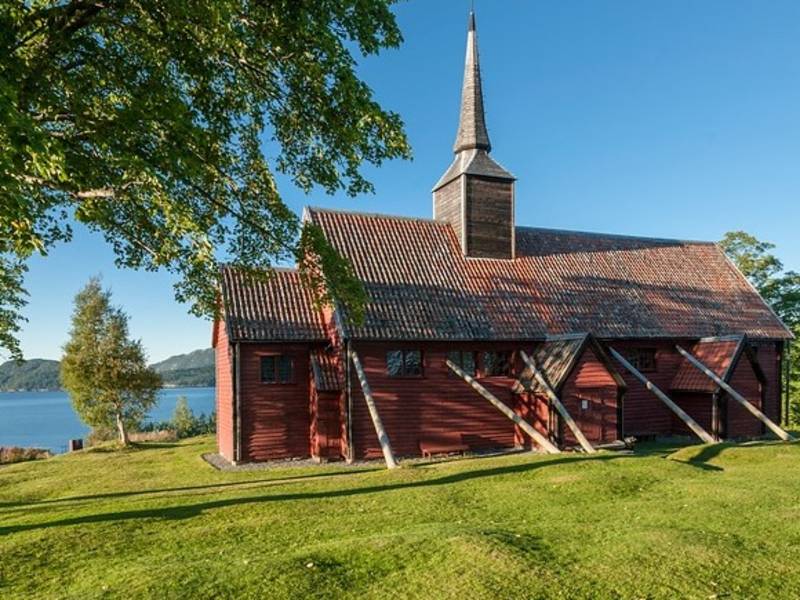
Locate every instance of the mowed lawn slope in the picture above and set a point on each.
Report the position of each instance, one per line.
(158, 522)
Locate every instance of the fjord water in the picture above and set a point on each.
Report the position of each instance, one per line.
(46, 419)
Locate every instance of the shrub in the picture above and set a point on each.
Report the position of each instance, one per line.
(99, 435)
(184, 423)
(13, 454)
(163, 435)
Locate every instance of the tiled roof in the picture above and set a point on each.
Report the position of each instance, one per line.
(277, 309)
(555, 358)
(422, 288)
(325, 371)
(717, 354)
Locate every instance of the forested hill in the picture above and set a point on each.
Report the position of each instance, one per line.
(185, 370)
(34, 374)
(195, 369)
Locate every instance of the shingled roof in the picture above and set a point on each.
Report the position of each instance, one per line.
(326, 371)
(556, 358)
(721, 355)
(422, 288)
(276, 309)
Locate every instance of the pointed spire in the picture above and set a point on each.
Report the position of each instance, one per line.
(472, 133)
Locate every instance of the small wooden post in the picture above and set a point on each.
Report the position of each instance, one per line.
(562, 410)
(548, 446)
(690, 422)
(736, 395)
(386, 447)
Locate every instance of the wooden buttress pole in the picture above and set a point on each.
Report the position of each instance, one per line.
(562, 410)
(736, 396)
(548, 446)
(383, 439)
(682, 415)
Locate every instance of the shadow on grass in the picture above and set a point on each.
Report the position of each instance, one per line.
(188, 511)
(188, 488)
(702, 458)
(709, 452)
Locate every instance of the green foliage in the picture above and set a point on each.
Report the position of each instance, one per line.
(330, 276)
(780, 289)
(157, 522)
(162, 125)
(183, 417)
(34, 374)
(184, 422)
(104, 372)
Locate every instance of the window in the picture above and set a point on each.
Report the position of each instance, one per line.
(643, 359)
(404, 363)
(463, 360)
(496, 364)
(277, 368)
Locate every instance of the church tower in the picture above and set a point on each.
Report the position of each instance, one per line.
(476, 195)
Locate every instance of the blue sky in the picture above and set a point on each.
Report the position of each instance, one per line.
(669, 119)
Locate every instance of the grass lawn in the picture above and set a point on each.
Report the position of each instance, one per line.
(158, 522)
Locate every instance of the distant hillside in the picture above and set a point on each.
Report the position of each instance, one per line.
(195, 369)
(33, 374)
(187, 370)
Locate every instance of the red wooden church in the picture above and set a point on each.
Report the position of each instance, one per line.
(484, 334)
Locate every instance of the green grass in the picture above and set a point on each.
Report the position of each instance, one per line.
(158, 522)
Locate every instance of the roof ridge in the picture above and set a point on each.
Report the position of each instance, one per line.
(615, 235)
(276, 269)
(378, 215)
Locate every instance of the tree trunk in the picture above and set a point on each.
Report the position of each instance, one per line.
(123, 433)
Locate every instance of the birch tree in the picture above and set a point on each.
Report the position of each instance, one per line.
(105, 372)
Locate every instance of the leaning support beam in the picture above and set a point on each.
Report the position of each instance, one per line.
(736, 396)
(690, 422)
(562, 410)
(386, 447)
(546, 444)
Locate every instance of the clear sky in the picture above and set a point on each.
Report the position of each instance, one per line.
(669, 119)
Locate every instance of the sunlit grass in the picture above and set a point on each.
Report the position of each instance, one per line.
(157, 521)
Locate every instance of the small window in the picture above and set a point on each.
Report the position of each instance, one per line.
(404, 363)
(463, 360)
(277, 368)
(496, 364)
(643, 359)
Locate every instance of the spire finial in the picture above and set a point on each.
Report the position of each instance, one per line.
(472, 131)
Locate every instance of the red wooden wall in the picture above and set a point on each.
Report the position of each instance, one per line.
(535, 409)
(591, 381)
(769, 359)
(326, 425)
(741, 423)
(275, 417)
(423, 408)
(282, 421)
(643, 413)
(224, 390)
(697, 405)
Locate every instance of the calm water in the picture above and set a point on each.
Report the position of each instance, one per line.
(46, 419)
